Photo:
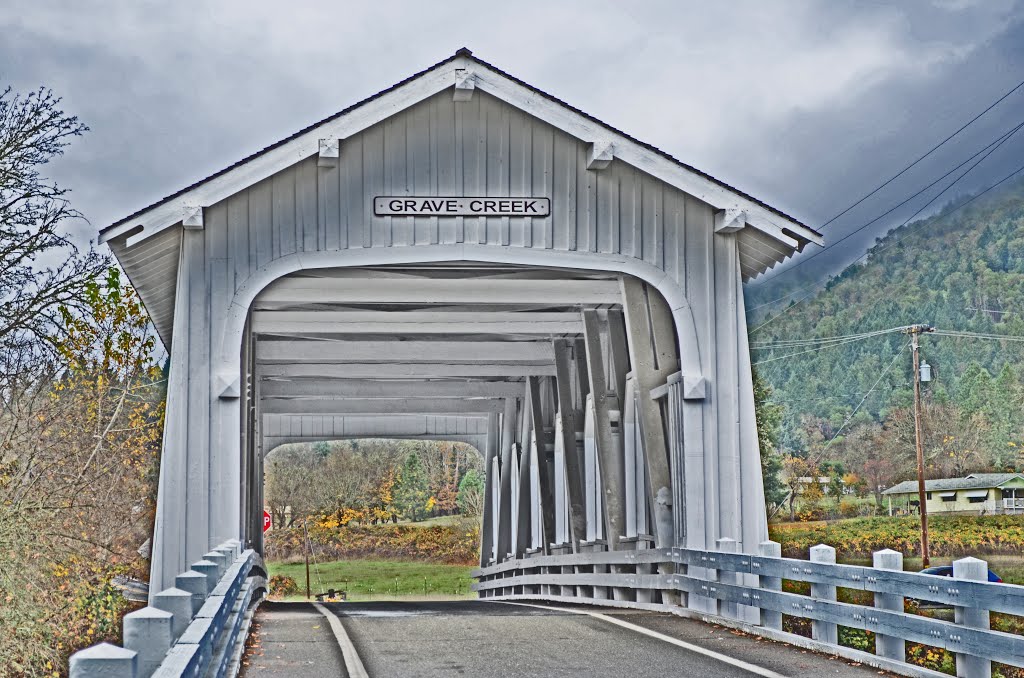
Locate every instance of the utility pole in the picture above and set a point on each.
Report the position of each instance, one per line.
(914, 331)
(305, 550)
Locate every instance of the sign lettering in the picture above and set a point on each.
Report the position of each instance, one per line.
(405, 206)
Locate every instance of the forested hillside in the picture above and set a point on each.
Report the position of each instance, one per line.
(961, 270)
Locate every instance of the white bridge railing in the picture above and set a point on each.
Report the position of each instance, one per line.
(745, 591)
(196, 629)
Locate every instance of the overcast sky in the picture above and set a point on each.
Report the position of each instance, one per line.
(806, 105)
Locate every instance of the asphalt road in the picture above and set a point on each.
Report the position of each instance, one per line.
(475, 638)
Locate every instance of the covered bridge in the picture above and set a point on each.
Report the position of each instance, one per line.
(463, 256)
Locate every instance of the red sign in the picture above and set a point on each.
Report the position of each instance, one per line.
(266, 521)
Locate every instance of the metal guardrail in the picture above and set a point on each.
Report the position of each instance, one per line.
(746, 591)
(196, 629)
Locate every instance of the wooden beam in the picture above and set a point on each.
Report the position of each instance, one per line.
(600, 155)
(404, 370)
(192, 217)
(730, 220)
(573, 464)
(369, 388)
(292, 351)
(649, 327)
(609, 451)
(378, 406)
(414, 322)
(543, 442)
(308, 290)
(329, 152)
(464, 85)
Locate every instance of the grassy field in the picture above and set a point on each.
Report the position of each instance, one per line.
(381, 579)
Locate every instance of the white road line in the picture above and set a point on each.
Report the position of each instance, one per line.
(353, 664)
(732, 661)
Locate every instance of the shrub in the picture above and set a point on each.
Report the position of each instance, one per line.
(280, 585)
(848, 508)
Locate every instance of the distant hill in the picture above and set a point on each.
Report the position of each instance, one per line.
(962, 269)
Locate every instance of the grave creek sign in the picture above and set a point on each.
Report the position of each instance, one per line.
(399, 206)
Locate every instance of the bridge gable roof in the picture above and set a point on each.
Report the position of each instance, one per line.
(388, 102)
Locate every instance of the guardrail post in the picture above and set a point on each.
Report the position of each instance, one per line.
(148, 632)
(727, 609)
(178, 603)
(103, 661)
(220, 559)
(969, 666)
(210, 569)
(825, 632)
(770, 619)
(890, 647)
(195, 583)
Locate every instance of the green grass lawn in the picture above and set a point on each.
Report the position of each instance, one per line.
(380, 579)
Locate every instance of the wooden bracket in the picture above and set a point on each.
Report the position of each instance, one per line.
(192, 217)
(695, 388)
(465, 83)
(330, 151)
(600, 155)
(227, 385)
(730, 220)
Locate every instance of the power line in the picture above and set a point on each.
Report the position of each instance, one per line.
(932, 150)
(991, 147)
(898, 241)
(864, 399)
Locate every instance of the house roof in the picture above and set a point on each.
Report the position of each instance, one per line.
(975, 481)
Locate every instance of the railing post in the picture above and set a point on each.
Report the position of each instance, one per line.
(969, 666)
(727, 609)
(825, 632)
(770, 619)
(103, 661)
(179, 604)
(148, 632)
(890, 647)
(195, 583)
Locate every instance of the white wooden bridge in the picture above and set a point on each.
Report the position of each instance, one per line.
(465, 257)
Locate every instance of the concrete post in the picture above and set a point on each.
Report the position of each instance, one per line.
(727, 609)
(195, 583)
(178, 603)
(220, 559)
(969, 666)
(770, 619)
(103, 661)
(825, 632)
(888, 646)
(148, 632)
(210, 569)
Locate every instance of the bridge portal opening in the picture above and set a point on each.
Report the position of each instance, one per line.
(547, 372)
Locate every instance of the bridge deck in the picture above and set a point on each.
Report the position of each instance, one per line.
(476, 638)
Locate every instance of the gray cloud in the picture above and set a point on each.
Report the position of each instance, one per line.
(804, 104)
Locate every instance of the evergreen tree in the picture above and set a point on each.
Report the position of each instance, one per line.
(412, 491)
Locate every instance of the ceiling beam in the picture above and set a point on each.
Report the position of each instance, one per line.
(380, 406)
(414, 322)
(404, 371)
(306, 290)
(368, 388)
(295, 351)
